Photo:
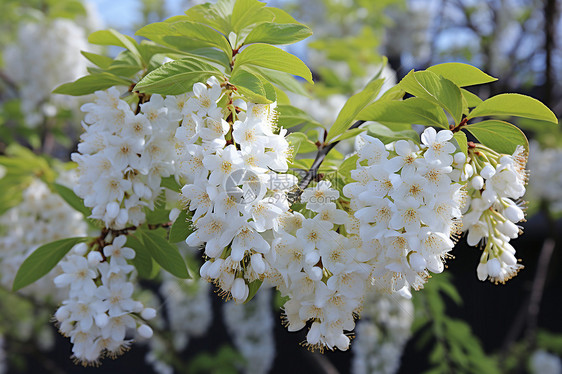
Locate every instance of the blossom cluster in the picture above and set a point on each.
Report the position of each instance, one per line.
(37, 65)
(495, 188)
(123, 156)
(250, 326)
(382, 334)
(235, 193)
(407, 205)
(100, 305)
(41, 217)
(319, 269)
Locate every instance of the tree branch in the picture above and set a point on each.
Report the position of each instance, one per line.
(312, 173)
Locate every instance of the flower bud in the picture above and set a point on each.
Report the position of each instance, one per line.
(94, 258)
(494, 267)
(508, 258)
(257, 263)
(509, 229)
(417, 262)
(514, 213)
(145, 331)
(477, 182)
(238, 289)
(112, 210)
(487, 171)
(459, 158)
(148, 313)
(80, 249)
(174, 213)
(482, 271)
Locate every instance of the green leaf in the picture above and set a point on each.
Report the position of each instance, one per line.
(185, 35)
(472, 100)
(281, 79)
(412, 111)
(177, 77)
(275, 33)
(290, 116)
(165, 254)
(114, 37)
(43, 260)
(386, 135)
(181, 228)
(502, 137)
(74, 201)
(218, 15)
(170, 183)
(515, 105)
(353, 107)
(253, 289)
(460, 138)
(432, 87)
(274, 58)
(98, 60)
(90, 84)
(250, 86)
(461, 74)
(349, 134)
(248, 12)
(142, 260)
(347, 166)
(300, 143)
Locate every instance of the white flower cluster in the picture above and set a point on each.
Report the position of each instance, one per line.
(100, 305)
(235, 192)
(319, 269)
(41, 217)
(123, 156)
(543, 362)
(46, 54)
(407, 205)
(250, 326)
(545, 165)
(382, 333)
(188, 308)
(496, 185)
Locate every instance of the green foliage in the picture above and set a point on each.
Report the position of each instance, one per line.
(225, 361)
(461, 74)
(454, 348)
(410, 111)
(253, 289)
(353, 108)
(267, 56)
(386, 135)
(501, 136)
(300, 143)
(181, 228)
(70, 197)
(290, 116)
(434, 88)
(176, 77)
(274, 33)
(90, 84)
(19, 167)
(515, 105)
(43, 260)
(253, 87)
(165, 254)
(460, 138)
(143, 260)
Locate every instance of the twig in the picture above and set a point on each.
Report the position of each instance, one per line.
(323, 150)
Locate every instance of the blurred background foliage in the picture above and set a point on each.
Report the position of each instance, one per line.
(460, 324)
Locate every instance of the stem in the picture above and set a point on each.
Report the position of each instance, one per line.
(323, 150)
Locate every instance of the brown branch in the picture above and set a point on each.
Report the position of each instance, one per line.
(312, 173)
